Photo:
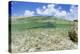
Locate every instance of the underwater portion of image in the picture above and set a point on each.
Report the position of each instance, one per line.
(37, 27)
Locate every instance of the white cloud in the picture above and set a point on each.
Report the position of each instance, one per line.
(42, 12)
(74, 11)
(60, 13)
(44, 7)
(49, 10)
(73, 14)
(29, 13)
(51, 6)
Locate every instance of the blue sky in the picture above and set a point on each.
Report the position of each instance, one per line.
(43, 9)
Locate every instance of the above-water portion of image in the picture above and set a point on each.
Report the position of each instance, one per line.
(37, 27)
